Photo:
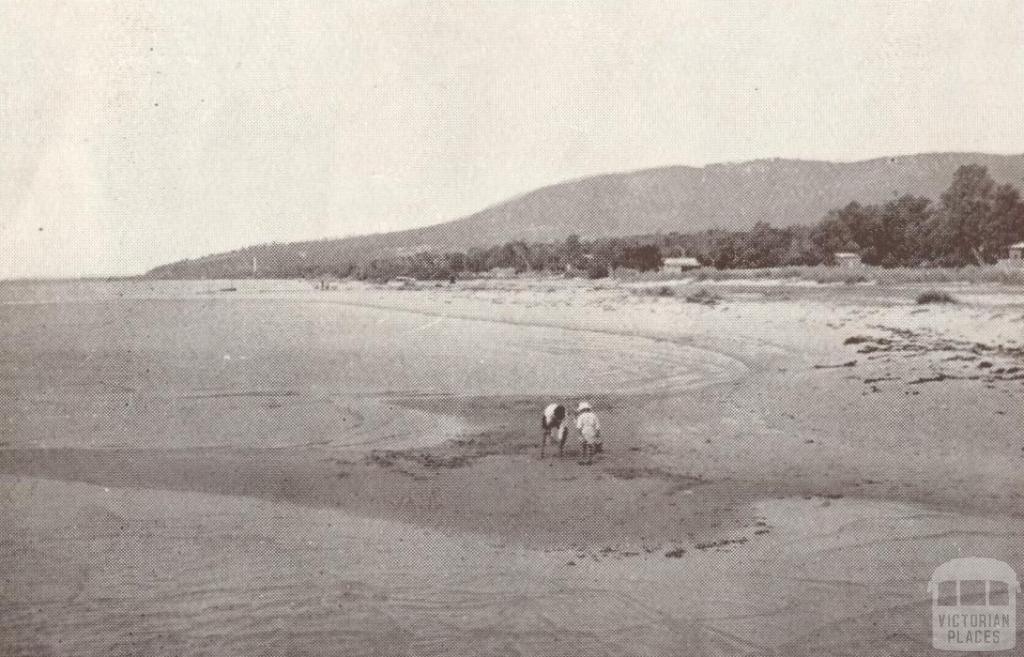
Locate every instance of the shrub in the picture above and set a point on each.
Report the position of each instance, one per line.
(596, 271)
(703, 297)
(935, 296)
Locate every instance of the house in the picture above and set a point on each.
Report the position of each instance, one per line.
(848, 260)
(682, 264)
(499, 272)
(402, 282)
(1016, 256)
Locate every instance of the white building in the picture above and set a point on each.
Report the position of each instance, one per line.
(848, 260)
(682, 264)
(1015, 257)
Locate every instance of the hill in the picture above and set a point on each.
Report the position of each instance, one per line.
(670, 199)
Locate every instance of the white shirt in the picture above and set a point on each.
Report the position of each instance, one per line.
(588, 425)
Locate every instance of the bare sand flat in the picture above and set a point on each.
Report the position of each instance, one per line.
(784, 468)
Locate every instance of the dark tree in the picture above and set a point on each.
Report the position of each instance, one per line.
(642, 258)
(966, 208)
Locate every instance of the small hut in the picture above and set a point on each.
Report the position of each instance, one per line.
(681, 264)
(1015, 256)
(848, 260)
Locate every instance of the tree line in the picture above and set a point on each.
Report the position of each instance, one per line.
(973, 222)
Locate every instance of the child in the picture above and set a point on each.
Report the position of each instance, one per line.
(590, 431)
(552, 424)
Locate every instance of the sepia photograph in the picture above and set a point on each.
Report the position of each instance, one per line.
(501, 328)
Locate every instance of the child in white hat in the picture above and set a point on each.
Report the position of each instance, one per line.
(590, 430)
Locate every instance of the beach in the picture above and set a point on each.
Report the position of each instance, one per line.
(264, 468)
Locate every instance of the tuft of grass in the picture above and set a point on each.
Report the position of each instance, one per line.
(703, 297)
(662, 291)
(935, 296)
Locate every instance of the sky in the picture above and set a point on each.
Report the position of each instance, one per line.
(134, 134)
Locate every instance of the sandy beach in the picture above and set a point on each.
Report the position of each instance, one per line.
(264, 468)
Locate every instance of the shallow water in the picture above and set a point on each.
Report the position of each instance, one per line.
(174, 364)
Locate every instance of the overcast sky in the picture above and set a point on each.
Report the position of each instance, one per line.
(132, 134)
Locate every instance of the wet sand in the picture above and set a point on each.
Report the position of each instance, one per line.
(111, 571)
(782, 474)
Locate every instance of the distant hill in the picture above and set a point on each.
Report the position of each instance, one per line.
(680, 199)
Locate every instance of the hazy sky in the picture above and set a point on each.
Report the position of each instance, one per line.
(133, 134)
